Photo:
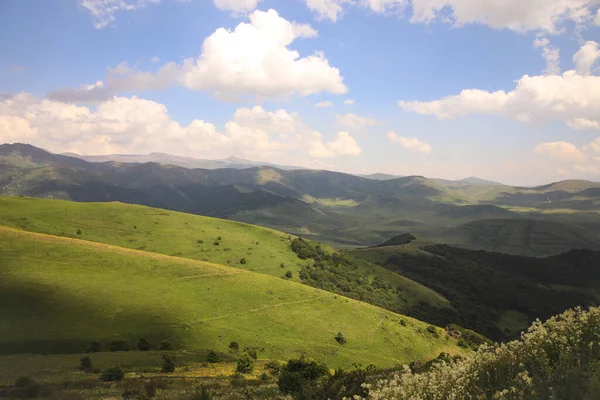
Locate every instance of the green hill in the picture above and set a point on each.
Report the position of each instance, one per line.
(58, 293)
(177, 234)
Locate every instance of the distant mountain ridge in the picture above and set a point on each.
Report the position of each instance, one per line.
(328, 206)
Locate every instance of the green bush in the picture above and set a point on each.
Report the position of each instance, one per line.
(212, 357)
(216, 243)
(273, 367)
(340, 338)
(288, 275)
(112, 374)
(85, 363)
(282, 265)
(165, 345)
(298, 377)
(243, 261)
(168, 363)
(24, 381)
(144, 345)
(432, 329)
(245, 364)
(234, 347)
(94, 347)
(118, 345)
(202, 394)
(220, 238)
(79, 231)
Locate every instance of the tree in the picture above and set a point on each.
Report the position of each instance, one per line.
(243, 261)
(216, 243)
(234, 347)
(282, 265)
(340, 338)
(168, 363)
(79, 231)
(144, 345)
(245, 364)
(299, 376)
(220, 238)
(212, 357)
(165, 345)
(203, 394)
(112, 374)
(85, 363)
(288, 274)
(94, 347)
(118, 345)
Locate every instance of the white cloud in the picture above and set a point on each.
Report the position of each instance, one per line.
(386, 6)
(155, 60)
(104, 11)
(355, 122)
(324, 104)
(237, 7)
(583, 123)
(570, 97)
(597, 19)
(550, 53)
(517, 15)
(586, 57)
(562, 151)
(134, 125)
(349, 102)
(410, 144)
(327, 9)
(253, 60)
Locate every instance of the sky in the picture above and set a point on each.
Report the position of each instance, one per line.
(507, 90)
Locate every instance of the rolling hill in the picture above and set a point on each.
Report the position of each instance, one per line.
(59, 293)
(331, 207)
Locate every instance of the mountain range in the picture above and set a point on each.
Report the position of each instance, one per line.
(332, 207)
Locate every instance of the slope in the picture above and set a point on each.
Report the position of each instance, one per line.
(58, 293)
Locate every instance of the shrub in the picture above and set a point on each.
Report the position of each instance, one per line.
(243, 261)
(168, 363)
(403, 322)
(340, 338)
(220, 238)
(264, 377)
(245, 364)
(431, 329)
(112, 374)
(216, 243)
(251, 352)
(200, 241)
(234, 347)
(94, 347)
(79, 231)
(282, 265)
(298, 376)
(26, 388)
(288, 275)
(212, 357)
(118, 345)
(144, 345)
(202, 394)
(165, 345)
(273, 367)
(85, 363)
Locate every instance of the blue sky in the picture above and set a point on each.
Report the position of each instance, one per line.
(497, 89)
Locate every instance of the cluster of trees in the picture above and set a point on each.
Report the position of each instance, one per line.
(143, 344)
(481, 285)
(342, 274)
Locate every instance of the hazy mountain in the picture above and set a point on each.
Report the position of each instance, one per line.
(186, 162)
(328, 206)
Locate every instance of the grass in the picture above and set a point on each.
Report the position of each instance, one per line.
(58, 293)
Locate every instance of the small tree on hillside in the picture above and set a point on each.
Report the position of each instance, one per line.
(168, 363)
(112, 374)
(165, 345)
(85, 364)
(243, 261)
(288, 275)
(144, 345)
(234, 347)
(212, 357)
(94, 347)
(245, 364)
(340, 338)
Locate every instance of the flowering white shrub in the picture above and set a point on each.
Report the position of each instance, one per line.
(558, 359)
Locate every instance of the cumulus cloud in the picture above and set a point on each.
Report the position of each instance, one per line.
(236, 7)
(135, 125)
(386, 6)
(586, 57)
(571, 97)
(563, 151)
(254, 60)
(349, 102)
(104, 11)
(550, 53)
(324, 104)
(327, 9)
(355, 122)
(410, 144)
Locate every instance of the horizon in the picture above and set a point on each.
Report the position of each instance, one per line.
(260, 163)
(506, 92)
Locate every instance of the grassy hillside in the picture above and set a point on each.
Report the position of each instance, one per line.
(58, 293)
(190, 236)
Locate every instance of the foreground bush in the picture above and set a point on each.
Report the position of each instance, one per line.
(112, 374)
(558, 359)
